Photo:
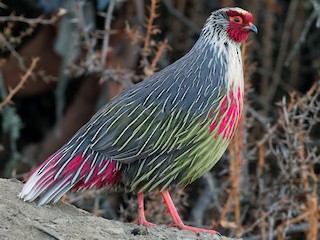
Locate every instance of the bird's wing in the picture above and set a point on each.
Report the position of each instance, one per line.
(154, 116)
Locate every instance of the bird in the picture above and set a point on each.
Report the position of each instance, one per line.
(165, 131)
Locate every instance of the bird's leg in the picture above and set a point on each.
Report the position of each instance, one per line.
(141, 217)
(176, 218)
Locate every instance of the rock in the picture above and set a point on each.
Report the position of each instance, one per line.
(24, 220)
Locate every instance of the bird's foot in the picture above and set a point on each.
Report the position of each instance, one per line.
(193, 229)
(141, 216)
(146, 223)
(177, 222)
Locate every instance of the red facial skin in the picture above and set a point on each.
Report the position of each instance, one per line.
(239, 24)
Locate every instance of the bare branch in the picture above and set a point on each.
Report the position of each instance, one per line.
(276, 77)
(33, 21)
(13, 52)
(107, 28)
(302, 38)
(184, 20)
(151, 29)
(20, 85)
(163, 46)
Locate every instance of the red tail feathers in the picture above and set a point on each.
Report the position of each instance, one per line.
(61, 172)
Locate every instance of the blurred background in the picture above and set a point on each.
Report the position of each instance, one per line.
(62, 60)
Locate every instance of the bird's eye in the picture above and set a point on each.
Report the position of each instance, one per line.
(236, 19)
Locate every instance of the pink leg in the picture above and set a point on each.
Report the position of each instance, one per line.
(141, 217)
(176, 218)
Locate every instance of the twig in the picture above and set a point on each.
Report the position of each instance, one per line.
(311, 198)
(284, 225)
(184, 20)
(32, 21)
(302, 38)
(266, 137)
(161, 48)
(24, 78)
(257, 115)
(150, 27)
(205, 198)
(107, 28)
(133, 34)
(258, 222)
(13, 52)
(260, 167)
(268, 50)
(84, 31)
(276, 77)
(236, 160)
(294, 228)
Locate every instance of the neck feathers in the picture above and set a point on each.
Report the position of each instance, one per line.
(224, 55)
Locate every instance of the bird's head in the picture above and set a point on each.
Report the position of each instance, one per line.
(234, 23)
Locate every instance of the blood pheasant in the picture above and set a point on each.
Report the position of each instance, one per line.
(167, 130)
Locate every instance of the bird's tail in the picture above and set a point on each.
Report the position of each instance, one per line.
(70, 168)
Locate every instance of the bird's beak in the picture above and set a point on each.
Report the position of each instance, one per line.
(252, 28)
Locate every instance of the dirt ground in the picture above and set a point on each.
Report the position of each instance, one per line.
(24, 220)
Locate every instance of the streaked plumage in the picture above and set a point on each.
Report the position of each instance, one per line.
(169, 129)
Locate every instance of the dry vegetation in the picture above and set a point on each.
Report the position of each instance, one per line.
(58, 66)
